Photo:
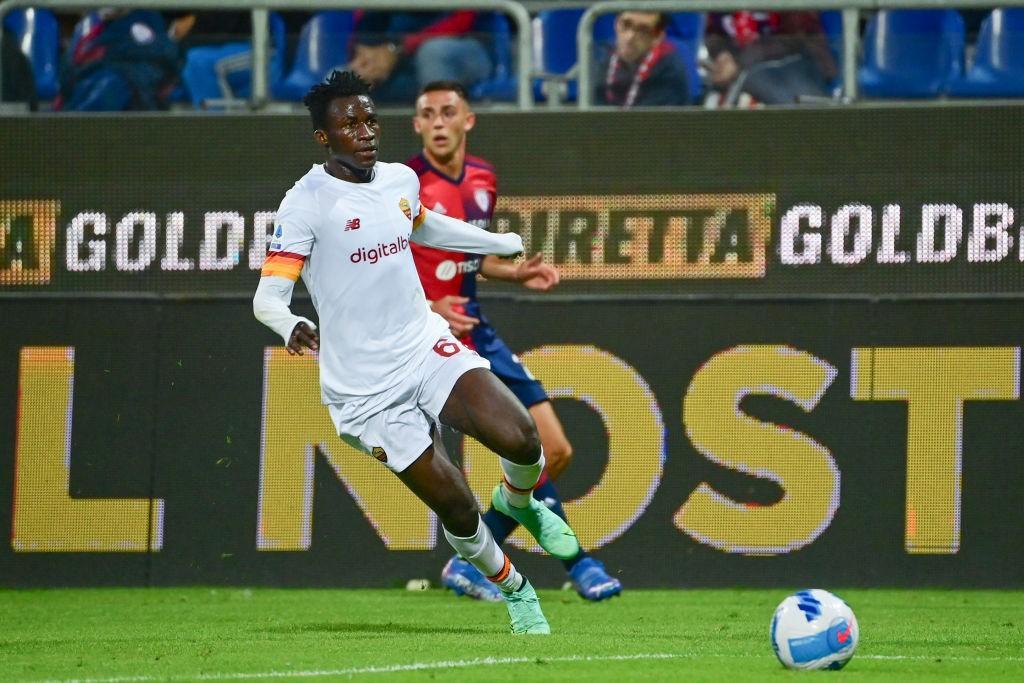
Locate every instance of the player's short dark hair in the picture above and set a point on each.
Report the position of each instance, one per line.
(338, 84)
(445, 86)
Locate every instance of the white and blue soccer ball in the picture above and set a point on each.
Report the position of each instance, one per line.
(814, 629)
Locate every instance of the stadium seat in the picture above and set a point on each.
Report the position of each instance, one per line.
(38, 35)
(911, 53)
(998, 69)
(221, 75)
(554, 44)
(686, 32)
(323, 45)
(832, 25)
(501, 86)
(687, 28)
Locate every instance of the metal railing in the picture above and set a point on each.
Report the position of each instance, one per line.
(525, 72)
(851, 19)
(260, 32)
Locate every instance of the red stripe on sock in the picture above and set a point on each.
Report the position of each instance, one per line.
(516, 489)
(544, 478)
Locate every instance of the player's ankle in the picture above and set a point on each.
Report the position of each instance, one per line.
(519, 498)
(512, 584)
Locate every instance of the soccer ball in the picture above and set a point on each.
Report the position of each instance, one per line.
(814, 629)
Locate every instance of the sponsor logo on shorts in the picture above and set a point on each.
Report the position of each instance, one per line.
(379, 453)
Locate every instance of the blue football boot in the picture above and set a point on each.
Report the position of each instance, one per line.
(465, 579)
(592, 582)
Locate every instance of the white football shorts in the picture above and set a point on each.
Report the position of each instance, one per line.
(399, 429)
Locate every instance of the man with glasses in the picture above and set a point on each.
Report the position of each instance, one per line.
(643, 69)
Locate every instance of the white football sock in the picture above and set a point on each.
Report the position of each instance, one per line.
(482, 552)
(520, 480)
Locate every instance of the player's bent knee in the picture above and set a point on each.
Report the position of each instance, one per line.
(524, 445)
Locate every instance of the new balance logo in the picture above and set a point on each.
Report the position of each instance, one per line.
(352, 224)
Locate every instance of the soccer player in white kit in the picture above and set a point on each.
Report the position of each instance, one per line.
(390, 370)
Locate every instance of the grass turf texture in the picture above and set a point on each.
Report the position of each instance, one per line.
(268, 634)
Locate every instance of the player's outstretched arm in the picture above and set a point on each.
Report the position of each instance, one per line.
(270, 306)
(444, 232)
(532, 273)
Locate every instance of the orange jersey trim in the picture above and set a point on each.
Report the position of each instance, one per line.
(283, 264)
(420, 217)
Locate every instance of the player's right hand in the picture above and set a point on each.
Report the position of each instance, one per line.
(303, 337)
(450, 308)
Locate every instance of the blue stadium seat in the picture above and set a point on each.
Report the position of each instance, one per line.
(222, 74)
(554, 44)
(911, 53)
(688, 28)
(998, 69)
(38, 36)
(686, 32)
(832, 25)
(501, 86)
(323, 45)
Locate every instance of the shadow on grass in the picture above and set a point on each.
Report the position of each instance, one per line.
(373, 629)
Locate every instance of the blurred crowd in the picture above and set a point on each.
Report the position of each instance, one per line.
(126, 59)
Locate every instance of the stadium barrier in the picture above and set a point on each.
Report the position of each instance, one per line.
(851, 10)
(781, 359)
(260, 31)
(518, 13)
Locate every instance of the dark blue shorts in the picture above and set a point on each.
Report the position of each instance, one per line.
(506, 366)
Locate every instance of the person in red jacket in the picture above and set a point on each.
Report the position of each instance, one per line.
(774, 57)
(463, 186)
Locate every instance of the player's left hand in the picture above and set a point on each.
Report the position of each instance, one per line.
(533, 273)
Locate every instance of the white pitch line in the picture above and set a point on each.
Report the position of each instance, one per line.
(387, 668)
(482, 661)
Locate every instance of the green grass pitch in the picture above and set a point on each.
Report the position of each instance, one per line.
(232, 634)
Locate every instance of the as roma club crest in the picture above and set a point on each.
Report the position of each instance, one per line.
(377, 451)
(403, 204)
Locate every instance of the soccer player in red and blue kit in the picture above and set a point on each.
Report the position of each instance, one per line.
(465, 187)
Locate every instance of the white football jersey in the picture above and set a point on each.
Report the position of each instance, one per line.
(350, 241)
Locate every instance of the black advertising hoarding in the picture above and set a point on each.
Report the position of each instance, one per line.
(915, 200)
(717, 443)
(757, 395)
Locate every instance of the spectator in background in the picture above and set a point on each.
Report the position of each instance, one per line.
(400, 52)
(774, 57)
(125, 60)
(643, 69)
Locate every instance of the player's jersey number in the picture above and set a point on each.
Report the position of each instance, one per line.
(447, 347)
